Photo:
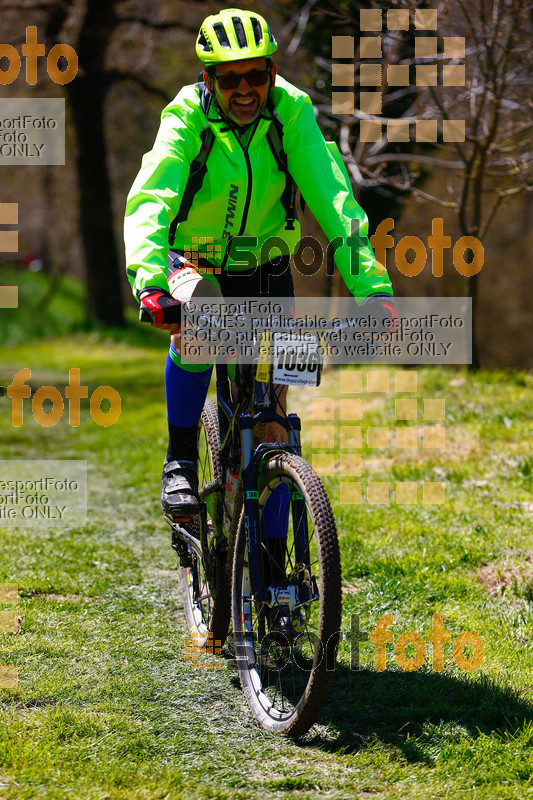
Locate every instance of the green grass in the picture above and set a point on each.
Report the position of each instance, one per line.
(106, 705)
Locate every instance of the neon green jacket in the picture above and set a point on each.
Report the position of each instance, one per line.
(241, 193)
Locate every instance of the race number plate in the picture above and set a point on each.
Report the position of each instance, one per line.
(296, 359)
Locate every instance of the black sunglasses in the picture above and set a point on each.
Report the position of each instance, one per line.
(253, 78)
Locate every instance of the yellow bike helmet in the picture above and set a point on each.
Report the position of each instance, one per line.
(232, 35)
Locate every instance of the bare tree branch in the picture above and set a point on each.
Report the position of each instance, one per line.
(438, 200)
(417, 158)
(114, 76)
(303, 16)
(160, 26)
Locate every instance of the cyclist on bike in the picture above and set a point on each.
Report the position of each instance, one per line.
(216, 171)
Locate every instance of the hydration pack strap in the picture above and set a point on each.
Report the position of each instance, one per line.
(197, 169)
(275, 141)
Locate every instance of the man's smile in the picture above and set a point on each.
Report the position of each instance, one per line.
(244, 104)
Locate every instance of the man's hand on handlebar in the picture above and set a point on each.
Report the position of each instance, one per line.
(173, 327)
(160, 309)
(383, 312)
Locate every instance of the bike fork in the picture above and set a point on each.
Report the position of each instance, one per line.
(251, 501)
(251, 459)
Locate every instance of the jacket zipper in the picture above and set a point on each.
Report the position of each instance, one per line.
(248, 193)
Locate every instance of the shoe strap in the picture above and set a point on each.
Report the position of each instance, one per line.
(182, 466)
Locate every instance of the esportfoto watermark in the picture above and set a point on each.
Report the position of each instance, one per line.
(377, 76)
(434, 330)
(381, 241)
(410, 648)
(18, 391)
(43, 492)
(310, 256)
(339, 433)
(31, 51)
(32, 131)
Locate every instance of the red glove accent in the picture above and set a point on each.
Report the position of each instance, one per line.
(381, 309)
(389, 306)
(162, 308)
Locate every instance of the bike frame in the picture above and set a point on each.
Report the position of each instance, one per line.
(252, 458)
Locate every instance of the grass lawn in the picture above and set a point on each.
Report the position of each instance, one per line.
(106, 705)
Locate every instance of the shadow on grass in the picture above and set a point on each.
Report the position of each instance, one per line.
(395, 708)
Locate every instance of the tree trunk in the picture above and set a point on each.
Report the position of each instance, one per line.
(87, 96)
(473, 286)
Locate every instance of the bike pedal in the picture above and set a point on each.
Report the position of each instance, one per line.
(185, 561)
(184, 554)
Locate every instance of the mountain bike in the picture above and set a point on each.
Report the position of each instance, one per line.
(263, 552)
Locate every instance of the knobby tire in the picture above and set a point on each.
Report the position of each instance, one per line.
(280, 701)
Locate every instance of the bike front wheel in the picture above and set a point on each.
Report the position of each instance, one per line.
(285, 644)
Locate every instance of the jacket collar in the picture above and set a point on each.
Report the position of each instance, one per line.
(221, 125)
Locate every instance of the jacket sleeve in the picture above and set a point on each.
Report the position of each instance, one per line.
(320, 174)
(155, 197)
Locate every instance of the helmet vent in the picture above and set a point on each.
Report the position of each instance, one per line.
(203, 43)
(239, 31)
(222, 36)
(258, 33)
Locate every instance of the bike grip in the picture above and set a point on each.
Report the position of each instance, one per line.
(145, 315)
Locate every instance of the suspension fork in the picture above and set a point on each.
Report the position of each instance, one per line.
(299, 516)
(250, 464)
(251, 500)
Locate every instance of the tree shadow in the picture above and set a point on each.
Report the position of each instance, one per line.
(396, 708)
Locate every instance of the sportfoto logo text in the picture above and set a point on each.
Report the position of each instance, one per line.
(410, 648)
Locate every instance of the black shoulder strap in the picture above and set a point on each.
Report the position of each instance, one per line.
(275, 141)
(205, 97)
(197, 169)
